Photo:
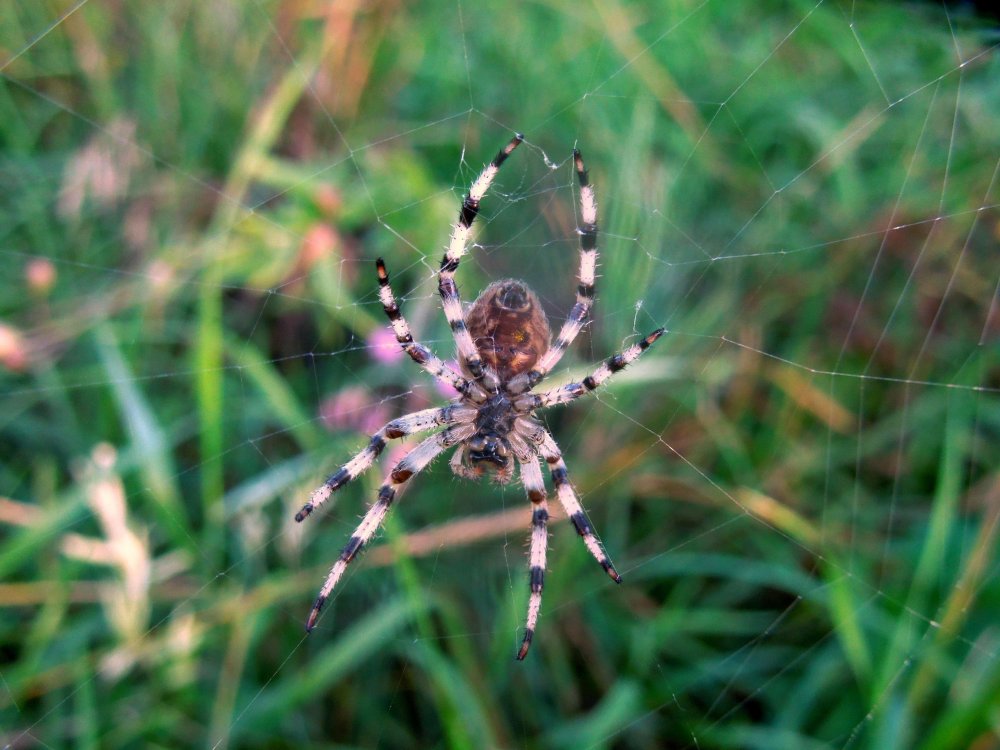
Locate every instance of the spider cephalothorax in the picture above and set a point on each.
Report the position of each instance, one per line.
(491, 443)
(504, 351)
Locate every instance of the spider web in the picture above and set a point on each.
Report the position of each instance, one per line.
(798, 483)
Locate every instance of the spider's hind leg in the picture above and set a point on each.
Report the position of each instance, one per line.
(578, 314)
(417, 351)
(572, 391)
(471, 361)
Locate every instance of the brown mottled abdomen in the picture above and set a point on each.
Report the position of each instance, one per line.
(509, 327)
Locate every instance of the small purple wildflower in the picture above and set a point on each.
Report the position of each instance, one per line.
(383, 347)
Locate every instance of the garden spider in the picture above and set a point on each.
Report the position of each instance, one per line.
(504, 351)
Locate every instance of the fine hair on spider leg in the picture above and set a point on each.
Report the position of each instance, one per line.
(504, 348)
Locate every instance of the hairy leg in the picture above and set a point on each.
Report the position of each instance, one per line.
(531, 474)
(418, 421)
(415, 461)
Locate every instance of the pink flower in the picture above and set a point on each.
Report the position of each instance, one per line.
(40, 274)
(353, 409)
(383, 347)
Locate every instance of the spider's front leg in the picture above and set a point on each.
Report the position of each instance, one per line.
(531, 474)
(414, 462)
(571, 504)
(418, 421)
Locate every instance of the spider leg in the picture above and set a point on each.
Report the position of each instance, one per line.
(417, 351)
(584, 290)
(418, 421)
(529, 429)
(414, 461)
(572, 391)
(450, 299)
(535, 487)
(564, 491)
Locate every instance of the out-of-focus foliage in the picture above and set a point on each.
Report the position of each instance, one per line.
(799, 484)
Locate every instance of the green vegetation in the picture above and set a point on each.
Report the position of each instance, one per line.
(799, 484)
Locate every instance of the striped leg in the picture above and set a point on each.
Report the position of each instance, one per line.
(452, 303)
(535, 487)
(570, 503)
(418, 352)
(584, 290)
(572, 391)
(418, 421)
(415, 461)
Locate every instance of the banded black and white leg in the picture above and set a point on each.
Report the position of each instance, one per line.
(414, 462)
(531, 475)
(451, 301)
(585, 285)
(572, 391)
(417, 351)
(571, 504)
(418, 421)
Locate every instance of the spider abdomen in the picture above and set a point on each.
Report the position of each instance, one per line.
(509, 327)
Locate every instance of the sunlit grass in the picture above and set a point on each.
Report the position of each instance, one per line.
(798, 484)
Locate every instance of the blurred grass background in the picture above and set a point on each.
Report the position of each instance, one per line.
(799, 485)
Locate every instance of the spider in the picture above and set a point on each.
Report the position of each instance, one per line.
(504, 350)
